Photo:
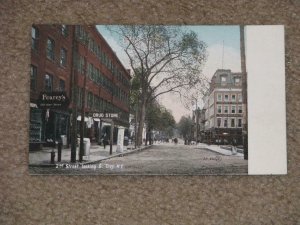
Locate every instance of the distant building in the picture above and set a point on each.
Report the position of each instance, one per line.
(61, 57)
(222, 117)
(198, 117)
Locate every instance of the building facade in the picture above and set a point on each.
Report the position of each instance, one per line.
(223, 109)
(77, 61)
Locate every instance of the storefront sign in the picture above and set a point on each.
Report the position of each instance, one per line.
(52, 100)
(105, 115)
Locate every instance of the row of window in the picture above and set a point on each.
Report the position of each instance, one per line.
(82, 36)
(50, 45)
(100, 79)
(225, 109)
(234, 97)
(49, 84)
(98, 104)
(48, 81)
(234, 122)
(93, 72)
(224, 77)
(93, 101)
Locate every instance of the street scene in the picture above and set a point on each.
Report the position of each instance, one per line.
(158, 159)
(138, 100)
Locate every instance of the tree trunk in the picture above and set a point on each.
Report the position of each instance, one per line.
(141, 122)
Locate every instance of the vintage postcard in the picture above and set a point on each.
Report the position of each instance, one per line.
(156, 100)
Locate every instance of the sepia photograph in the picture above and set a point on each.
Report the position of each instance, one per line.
(138, 100)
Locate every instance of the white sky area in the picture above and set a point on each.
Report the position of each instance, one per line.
(231, 61)
(220, 40)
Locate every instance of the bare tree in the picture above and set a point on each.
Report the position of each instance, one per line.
(192, 97)
(167, 59)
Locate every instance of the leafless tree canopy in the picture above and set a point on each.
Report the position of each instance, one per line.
(169, 58)
(164, 59)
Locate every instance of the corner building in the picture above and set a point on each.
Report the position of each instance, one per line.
(74, 59)
(223, 108)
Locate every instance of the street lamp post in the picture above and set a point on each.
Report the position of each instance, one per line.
(82, 122)
(74, 98)
(99, 110)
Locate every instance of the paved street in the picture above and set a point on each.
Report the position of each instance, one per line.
(158, 159)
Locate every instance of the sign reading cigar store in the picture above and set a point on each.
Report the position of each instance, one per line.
(57, 99)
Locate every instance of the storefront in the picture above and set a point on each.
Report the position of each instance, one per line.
(47, 126)
(36, 134)
(49, 120)
(225, 136)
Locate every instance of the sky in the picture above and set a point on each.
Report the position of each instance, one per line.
(222, 42)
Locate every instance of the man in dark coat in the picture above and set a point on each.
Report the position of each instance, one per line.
(105, 140)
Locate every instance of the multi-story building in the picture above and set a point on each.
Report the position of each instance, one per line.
(75, 59)
(223, 109)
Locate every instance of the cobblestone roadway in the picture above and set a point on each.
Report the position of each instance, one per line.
(160, 159)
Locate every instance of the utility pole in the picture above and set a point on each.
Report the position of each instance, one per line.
(244, 91)
(197, 120)
(74, 97)
(82, 122)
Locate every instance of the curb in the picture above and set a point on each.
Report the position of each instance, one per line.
(239, 150)
(206, 148)
(95, 161)
(43, 165)
(215, 151)
(119, 154)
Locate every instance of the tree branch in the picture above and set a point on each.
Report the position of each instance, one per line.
(169, 90)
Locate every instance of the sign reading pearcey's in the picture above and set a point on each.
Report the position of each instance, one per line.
(56, 99)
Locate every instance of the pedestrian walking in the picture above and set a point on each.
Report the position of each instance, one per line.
(233, 148)
(105, 140)
(175, 141)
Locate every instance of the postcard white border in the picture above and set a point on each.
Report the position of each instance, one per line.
(266, 99)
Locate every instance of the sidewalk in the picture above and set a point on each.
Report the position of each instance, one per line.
(218, 149)
(97, 153)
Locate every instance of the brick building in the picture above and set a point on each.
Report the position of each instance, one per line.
(72, 59)
(223, 109)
